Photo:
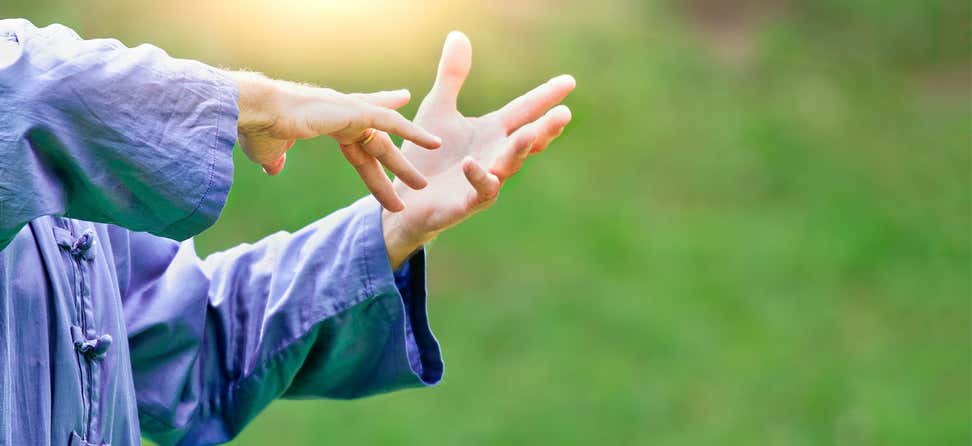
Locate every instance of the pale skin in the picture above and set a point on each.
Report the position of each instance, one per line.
(477, 156)
(434, 189)
(274, 114)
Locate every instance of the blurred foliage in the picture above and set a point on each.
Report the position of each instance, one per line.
(756, 230)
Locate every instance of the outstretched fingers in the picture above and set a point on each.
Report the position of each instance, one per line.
(486, 186)
(534, 103)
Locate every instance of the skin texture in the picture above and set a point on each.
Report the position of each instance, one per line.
(274, 114)
(477, 155)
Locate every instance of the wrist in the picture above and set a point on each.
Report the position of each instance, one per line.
(256, 92)
(400, 240)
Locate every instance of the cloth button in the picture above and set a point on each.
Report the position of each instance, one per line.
(93, 348)
(80, 247)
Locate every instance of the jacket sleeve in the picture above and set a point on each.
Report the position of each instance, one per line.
(313, 314)
(95, 131)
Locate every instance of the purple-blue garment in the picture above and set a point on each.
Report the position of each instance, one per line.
(110, 330)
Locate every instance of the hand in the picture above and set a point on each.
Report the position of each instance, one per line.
(274, 114)
(459, 184)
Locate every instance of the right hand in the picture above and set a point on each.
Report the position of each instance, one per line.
(274, 114)
(479, 153)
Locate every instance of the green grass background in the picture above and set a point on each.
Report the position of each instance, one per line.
(755, 231)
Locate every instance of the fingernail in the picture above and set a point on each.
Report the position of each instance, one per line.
(566, 78)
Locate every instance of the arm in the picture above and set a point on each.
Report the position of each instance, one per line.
(96, 131)
(316, 313)
(319, 313)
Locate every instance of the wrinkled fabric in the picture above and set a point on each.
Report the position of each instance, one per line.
(109, 328)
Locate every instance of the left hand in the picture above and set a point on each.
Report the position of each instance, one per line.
(274, 114)
(477, 155)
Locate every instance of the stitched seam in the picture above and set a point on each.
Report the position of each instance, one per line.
(212, 173)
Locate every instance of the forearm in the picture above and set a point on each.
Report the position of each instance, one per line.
(317, 313)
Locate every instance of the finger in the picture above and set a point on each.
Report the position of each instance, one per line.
(511, 159)
(276, 166)
(454, 65)
(394, 99)
(533, 104)
(393, 122)
(383, 148)
(373, 176)
(551, 125)
(487, 185)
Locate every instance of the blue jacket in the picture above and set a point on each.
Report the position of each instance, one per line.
(109, 327)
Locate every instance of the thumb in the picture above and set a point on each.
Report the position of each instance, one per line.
(454, 66)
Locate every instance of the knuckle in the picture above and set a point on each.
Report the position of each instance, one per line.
(354, 156)
(392, 117)
(379, 151)
(360, 117)
(489, 195)
(375, 118)
(528, 138)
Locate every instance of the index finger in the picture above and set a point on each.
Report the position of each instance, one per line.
(534, 103)
(393, 122)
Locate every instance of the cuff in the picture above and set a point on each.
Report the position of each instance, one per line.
(219, 155)
(424, 355)
(406, 293)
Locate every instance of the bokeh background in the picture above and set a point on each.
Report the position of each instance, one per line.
(755, 231)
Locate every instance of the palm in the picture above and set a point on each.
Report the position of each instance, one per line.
(446, 200)
(498, 141)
